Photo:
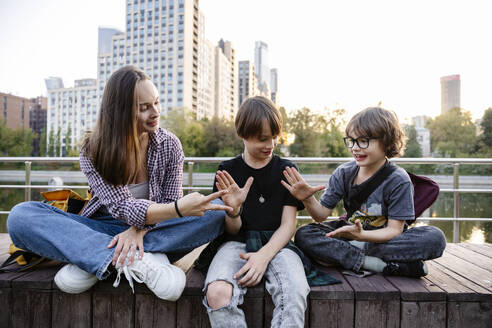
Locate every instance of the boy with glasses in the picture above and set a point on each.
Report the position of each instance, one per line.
(374, 234)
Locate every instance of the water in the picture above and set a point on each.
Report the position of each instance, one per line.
(471, 205)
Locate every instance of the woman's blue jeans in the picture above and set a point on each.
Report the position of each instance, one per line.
(52, 233)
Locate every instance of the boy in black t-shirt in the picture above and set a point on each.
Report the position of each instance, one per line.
(262, 223)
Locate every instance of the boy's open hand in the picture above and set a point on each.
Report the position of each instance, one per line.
(252, 272)
(297, 186)
(353, 232)
(235, 196)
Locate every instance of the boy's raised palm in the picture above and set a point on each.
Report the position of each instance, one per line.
(235, 196)
(297, 186)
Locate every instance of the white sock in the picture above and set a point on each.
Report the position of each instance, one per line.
(358, 244)
(374, 264)
(425, 268)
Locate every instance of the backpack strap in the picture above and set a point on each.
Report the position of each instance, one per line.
(356, 195)
(32, 260)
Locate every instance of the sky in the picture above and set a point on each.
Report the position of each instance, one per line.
(330, 54)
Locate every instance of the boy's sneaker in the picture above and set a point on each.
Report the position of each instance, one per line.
(165, 280)
(72, 279)
(415, 269)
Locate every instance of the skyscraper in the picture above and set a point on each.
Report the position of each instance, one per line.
(450, 92)
(206, 73)
(274, 85)
(71, 112)
(15, 111)
(262, 69)
(38, 108)
(162, 39)
(225, 81)
(247, 81)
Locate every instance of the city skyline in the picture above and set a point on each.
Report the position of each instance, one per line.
(350, 55)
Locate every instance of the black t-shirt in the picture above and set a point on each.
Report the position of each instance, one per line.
(266, 215)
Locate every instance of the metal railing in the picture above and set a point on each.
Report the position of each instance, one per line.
(190, 161)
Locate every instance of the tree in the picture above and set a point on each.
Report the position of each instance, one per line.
(331, 138)
(486, 126)
(68, 141)
(317, 135)
(221, 139)
(192, 139)
(58, 143)
(453, 133)
(413, 147)
(51, 149)
(302, 125)
(15, 142)
(43, 149)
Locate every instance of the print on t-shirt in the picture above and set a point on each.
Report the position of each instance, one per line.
(370, 218)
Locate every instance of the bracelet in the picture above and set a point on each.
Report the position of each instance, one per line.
(176, 207)
(236, 215)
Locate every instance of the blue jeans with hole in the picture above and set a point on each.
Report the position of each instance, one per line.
(285, 282)
(52, 233)
(419, 243)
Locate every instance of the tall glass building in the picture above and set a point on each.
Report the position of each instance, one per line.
(262, 69)
(162, 39)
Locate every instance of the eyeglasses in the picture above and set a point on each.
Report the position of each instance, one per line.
(362, 142)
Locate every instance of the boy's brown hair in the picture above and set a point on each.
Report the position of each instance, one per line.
(376, 122)
(251, 115)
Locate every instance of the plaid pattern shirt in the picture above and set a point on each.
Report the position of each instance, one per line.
(165, 177)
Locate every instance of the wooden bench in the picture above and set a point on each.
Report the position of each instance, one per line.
(457, 292)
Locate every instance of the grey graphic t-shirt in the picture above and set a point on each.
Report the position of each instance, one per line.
(393, 199)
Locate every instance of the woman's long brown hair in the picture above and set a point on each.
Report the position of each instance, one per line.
(113, 146)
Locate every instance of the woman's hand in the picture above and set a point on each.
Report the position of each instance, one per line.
(128, 241)
(297, 186)
(253, 270)
(195, 204)
(235, 196)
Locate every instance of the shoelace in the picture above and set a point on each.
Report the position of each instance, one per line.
(134, 273)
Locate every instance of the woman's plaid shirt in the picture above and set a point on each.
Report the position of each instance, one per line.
(165, 176)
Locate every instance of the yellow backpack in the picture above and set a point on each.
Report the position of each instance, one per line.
(66, 200)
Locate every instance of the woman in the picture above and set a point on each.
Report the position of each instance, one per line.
(134, 169)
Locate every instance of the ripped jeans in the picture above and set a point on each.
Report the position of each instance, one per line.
(285, 282)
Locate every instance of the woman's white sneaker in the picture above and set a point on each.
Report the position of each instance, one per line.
(72, 279)
(165, 280)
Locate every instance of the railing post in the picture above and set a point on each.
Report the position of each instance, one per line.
(456, 203)
(27, 196)
(190, 175)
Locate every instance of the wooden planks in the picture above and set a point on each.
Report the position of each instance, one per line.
(377, 302)
(332, 305)
(423, 304)
(457, 292)
(469, 255)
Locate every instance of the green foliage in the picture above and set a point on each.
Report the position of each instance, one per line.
(15, 142)
(68, 141)
(221, 139)
(413, 147)
(43, 150)
(51, 150)
(58, 142)
(453, 134)
(303, 125)
(484, 144)
(486, 126)
(317, 135)
(214, 138)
